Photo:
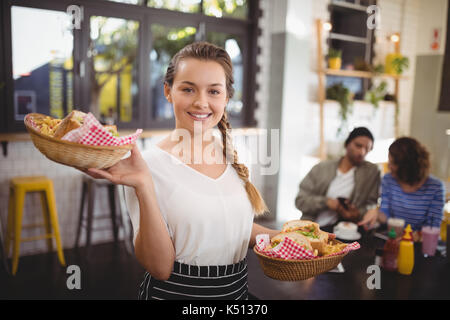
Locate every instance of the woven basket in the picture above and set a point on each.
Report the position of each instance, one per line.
(74, 154)
(295, 270)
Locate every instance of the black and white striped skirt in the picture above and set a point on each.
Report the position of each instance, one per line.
(198, 282)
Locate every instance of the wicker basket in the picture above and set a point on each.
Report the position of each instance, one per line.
(74, 154)
(295, 270)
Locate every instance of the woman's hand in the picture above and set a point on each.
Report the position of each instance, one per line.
(369, 219)
(132, 171)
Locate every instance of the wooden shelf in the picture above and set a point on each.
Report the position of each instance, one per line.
(360, 74)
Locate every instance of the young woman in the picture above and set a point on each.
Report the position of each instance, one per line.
(409, 192)
(192, 217)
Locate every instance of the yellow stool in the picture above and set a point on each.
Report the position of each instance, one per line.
(18, 188)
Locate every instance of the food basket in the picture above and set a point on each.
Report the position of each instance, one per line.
(294, 270)
(74, 154)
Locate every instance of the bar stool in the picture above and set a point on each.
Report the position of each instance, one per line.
(19, 186)
(117, 216)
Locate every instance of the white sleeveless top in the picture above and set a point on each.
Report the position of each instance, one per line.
(209, 220)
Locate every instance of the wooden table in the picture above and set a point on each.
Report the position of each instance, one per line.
(430, 279)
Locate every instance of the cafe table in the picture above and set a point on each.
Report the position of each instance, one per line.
(430, 278)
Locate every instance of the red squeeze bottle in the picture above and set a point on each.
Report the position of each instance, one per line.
(390, 252)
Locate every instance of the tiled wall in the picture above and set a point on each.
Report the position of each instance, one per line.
(24, 160)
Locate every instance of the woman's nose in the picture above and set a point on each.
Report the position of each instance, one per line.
(201, 101)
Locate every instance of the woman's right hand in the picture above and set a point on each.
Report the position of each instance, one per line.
(369, 219)
(132, 171)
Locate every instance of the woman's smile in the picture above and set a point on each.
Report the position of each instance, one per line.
(199, 116)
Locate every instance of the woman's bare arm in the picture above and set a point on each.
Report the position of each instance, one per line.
(153, 246)
(259, 229)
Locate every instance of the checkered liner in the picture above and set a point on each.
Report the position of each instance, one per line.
(291, 250)
(93, 133)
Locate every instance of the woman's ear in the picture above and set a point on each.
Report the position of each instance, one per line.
(167, 90)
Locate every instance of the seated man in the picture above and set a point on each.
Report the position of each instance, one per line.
(351, 178)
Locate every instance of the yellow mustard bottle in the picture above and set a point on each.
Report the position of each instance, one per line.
(405, 260)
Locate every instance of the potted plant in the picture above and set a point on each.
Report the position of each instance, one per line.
(334, 59)
(400, 64)
(396, 64)
(344, 97)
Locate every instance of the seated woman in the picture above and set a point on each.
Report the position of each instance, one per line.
(409, 192)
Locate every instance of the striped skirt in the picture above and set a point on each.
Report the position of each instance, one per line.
(227, 282)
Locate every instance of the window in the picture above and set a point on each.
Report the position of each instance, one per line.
(113, 48)
(192, 6)
(114, 62)
(42, 62)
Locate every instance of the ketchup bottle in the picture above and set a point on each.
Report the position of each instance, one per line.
(390, 252)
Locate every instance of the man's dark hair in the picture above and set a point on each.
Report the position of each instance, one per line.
(357, 132)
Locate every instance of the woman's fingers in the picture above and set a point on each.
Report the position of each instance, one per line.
(99, 174)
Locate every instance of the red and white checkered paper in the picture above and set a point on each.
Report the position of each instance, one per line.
(291, 250)
(93, 133)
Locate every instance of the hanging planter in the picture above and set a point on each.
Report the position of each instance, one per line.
(344, 97)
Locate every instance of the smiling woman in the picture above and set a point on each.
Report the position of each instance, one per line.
(176, 203)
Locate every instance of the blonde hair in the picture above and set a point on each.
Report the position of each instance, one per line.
(208, 51)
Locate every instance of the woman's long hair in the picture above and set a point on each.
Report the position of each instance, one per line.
(209, 52)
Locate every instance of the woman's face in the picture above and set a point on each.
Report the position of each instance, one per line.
(198, 94)
(392, 166)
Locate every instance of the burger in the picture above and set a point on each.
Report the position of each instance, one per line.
(317, 238)
(294, 236)
(72, 121)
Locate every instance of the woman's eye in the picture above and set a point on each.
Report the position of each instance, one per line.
(213, 91)
(187, 89)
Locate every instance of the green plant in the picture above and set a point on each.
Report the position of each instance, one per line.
(400, 64)
(379, 68)
(376, 94)
(334, 53)
(344, 97)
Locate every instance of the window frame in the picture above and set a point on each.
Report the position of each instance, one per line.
(146, 17)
